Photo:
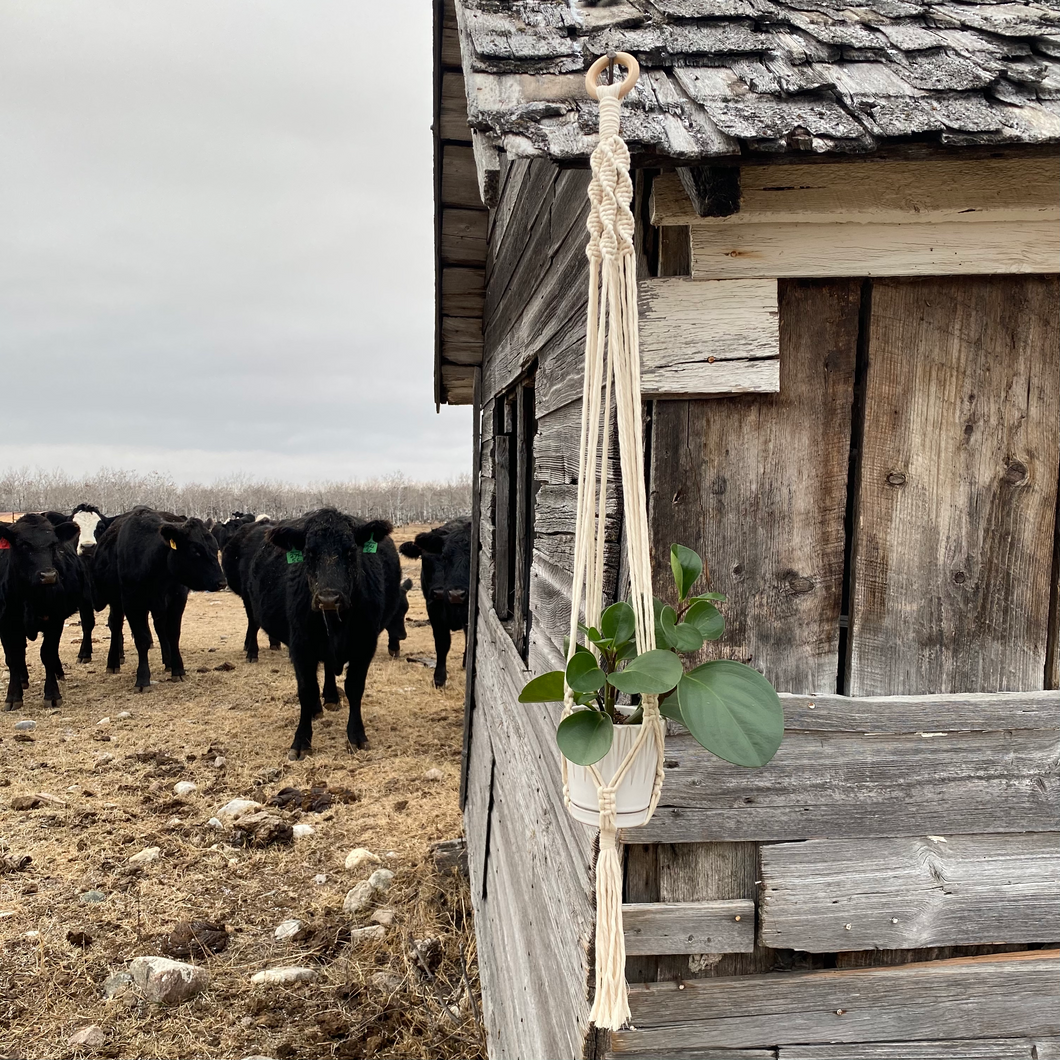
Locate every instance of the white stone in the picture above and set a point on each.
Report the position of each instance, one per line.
(288, 929)
(434, 774)
(367, 934)
(124, 715)
(27, 725)
(103, 759)
(358, 898)
(168, 982)
(147, 855)
(302, 831)
(278, 976)
(117, 984)
(320, 879)
(236, 808)
(103, 721)
(90, 1037)
(380, 880)
(220, 762)
(360, 856)
(384, 917)
(185, 787)
(215, 822)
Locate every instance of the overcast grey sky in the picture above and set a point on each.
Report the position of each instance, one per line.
(216, 239)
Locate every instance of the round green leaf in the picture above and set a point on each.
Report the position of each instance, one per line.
(653, 672)
(618, 623)
(670, 708)
(585, 736)
(583, 673)
(687, 567)
(683, 638)
(665, 618)
(733, 711)
(706, 618)
(548, 688)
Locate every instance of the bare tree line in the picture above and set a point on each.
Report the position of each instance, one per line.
(393, 497)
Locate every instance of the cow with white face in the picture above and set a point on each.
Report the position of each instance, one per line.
(92, 523)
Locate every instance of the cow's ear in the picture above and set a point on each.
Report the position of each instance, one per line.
(431, 542)
(376, 530)
(286, 537)
(7, 535)
(172, 532)
(407, 548)
(68, 532)
(55, 518)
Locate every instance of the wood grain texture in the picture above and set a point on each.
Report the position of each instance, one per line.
(1003, 189)
(697, 339)
(732, 251)
(989, 997)
(463, 240)
(829, 895)
(689, 927)
(955, 1049)
(459, 177)
(453, 125)
(463, 292)
(857, 785)
(956, 500)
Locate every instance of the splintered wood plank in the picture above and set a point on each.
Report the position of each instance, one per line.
(720, 337)
(689, 927)
(829, 895)
(955, 1049)
(1010, 189)
(956, 502)
(981, 997)
(731, 251)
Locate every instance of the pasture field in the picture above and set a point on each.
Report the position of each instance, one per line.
(370, 998)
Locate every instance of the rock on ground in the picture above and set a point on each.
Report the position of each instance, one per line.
(279, 976)
(185, 787)
(358, 898)
(236, 808)
(168, 982)
(148, 854)
(288, 929)
(367, 934)
(262, 828)
(90, 1037)
(117, 984)
(384, 917)
(380, 880)
(360, 856)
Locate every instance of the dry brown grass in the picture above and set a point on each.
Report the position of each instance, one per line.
(50, 988)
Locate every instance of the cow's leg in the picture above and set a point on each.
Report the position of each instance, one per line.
(274, 644)
(175, 605)
(356, 675)
(331, 688)
(137, 615)
(443, 640)
(88, 623)
(14, 642)
(116, 625)
(250, 641)
(305, 672)
(395, 634)
(49, 657)
(160, 621)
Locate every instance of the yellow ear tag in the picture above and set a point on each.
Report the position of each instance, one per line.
(173, 544)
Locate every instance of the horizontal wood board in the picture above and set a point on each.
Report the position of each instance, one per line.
(825, 896)
(954, 1049)
(689, 927)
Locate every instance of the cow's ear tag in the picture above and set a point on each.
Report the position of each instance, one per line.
(4, 543)
(294, 555)
(371, 545)
(173, 544)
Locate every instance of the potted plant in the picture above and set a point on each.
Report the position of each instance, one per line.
(728, 707)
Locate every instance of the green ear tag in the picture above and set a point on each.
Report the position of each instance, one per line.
(295, 556)
(370, 546)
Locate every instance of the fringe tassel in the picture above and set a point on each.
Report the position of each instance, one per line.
(611, 1004)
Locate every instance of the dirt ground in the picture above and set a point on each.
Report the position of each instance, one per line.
(227, 728)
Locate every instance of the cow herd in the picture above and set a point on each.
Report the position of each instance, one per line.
(325, 585)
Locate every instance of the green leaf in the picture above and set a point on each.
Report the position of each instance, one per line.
(665, 619)
(670, 708)
(683, 638)
(706, 618)
(720, 597)
(733, 711)
(585, 736)
(618, 623)
(687, 567)
(654, 672)
(583, 673)
(548, 688)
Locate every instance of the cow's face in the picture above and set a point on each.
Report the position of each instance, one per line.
(33, 545)
(193, 555)
(446, 561)
(329, 547)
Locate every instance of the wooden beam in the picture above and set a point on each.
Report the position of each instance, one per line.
(453, 120)
(458, 384)
(689, 927)
(713, 191)
(702, 339)
(463, 240)
(462, 340)
(488, 169)
(954, 1049)
(463, 292)
(824, 896)
(1001, 995)
(734, 251)
(1006, 189)
(459, 177)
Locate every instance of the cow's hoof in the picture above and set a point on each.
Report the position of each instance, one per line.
(54, 701)
(353, 748)
(275, 647)
(176, 678)
(25, 682)
(113, 669)
(251, 658)
(295, 755)
(13, 704)
(142, 688)
(84, 658)
(394, 653)
(122, 657)
(332, 706)
(439, 684)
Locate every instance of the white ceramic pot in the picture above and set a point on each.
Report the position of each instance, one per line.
(633, 794)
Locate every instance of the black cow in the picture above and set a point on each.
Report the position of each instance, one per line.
(445, 574)
(327, 586)
(224, 532)
(93, 525)
(395, 629)
(146, 563)
(40, 587)
(236, 556)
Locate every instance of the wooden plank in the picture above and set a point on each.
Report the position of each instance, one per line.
(698, 339)
(689, 927)
(829, 895)
(675, 250)
(458, 383)
(1005, 995)
(463, 291)
(459, 177)
(463, 240)
(503, 470)
(1002, 189)
(954, 1049)
(453, 122)
(523, 400)
(956, 500)
(733, 251)
(853, 785)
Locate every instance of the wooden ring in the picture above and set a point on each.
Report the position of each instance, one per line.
(621, 59)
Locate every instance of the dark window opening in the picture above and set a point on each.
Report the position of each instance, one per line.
(514, 426)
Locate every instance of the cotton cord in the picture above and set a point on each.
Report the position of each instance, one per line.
(612, 363)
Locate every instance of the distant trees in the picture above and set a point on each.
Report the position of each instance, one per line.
(393, 497)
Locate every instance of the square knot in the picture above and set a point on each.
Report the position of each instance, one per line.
(606, 798)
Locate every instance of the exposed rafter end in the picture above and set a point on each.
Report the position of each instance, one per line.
(488, 167)
(714, 191)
